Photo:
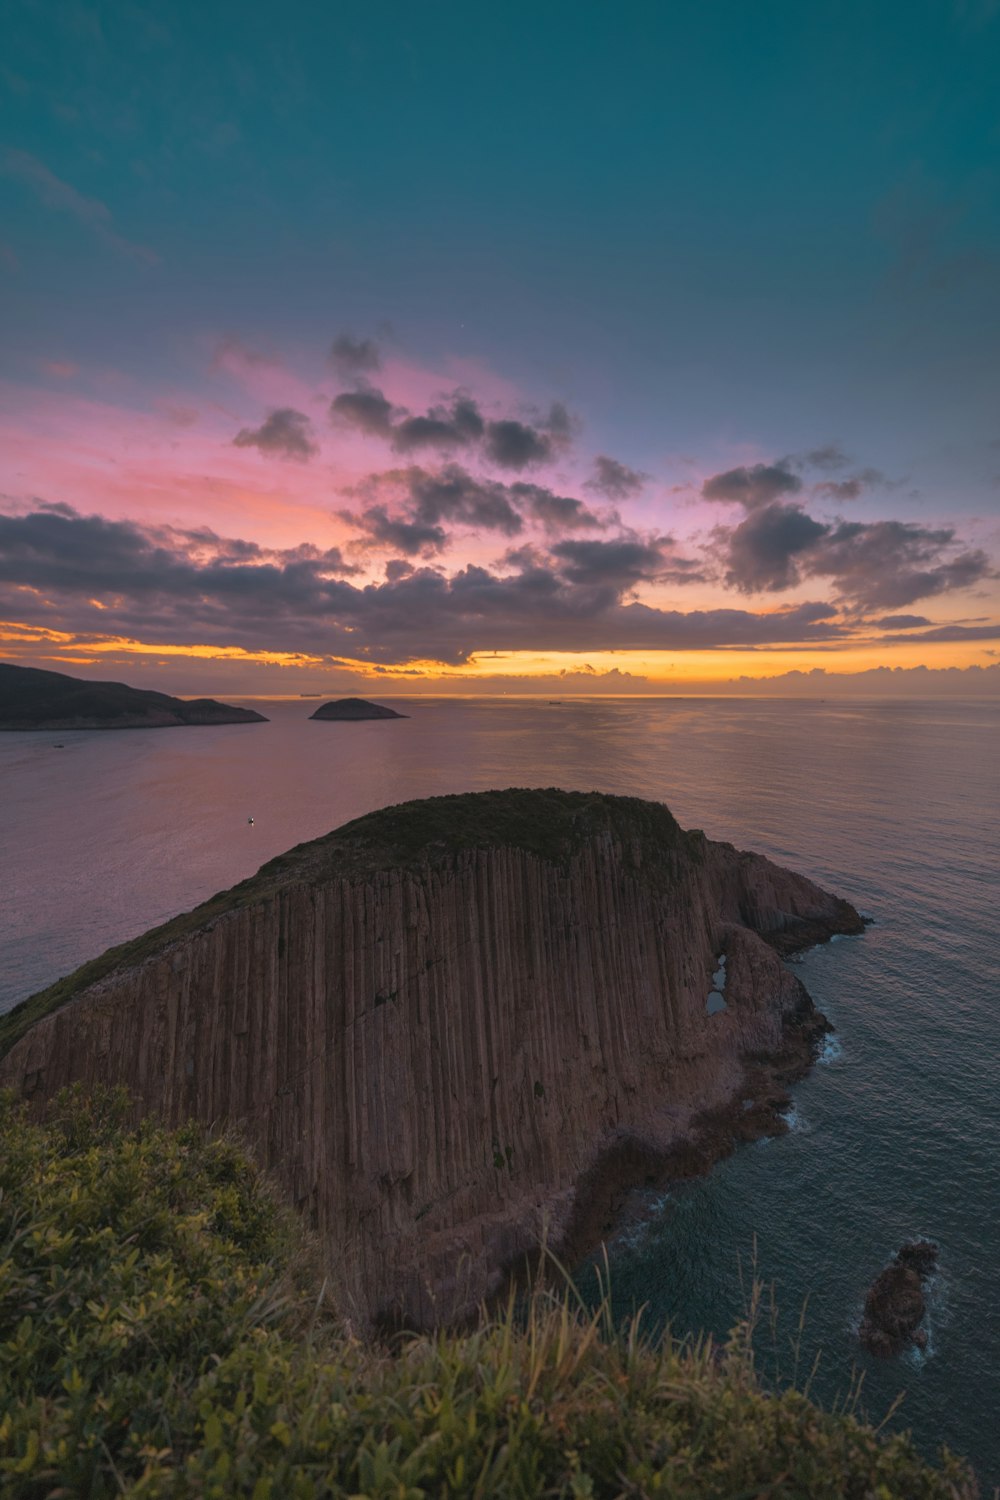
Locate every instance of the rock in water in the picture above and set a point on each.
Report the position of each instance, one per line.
(895, 1306)
(455, 1026)
(349, 709)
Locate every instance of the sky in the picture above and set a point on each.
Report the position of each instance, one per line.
(524, 348)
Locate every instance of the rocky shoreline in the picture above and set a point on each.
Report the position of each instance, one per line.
(604, 1202)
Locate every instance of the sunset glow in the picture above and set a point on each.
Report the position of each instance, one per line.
(225, 466)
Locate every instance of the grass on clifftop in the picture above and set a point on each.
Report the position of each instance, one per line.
(547, 822)
(544, 819)
(161, 1335)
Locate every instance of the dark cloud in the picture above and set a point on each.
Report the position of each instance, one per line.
(621, 562)
(873, 565)
(951, 633)
(443, 427)
(60, 550)
(330, 558)
(762, 552)
(351, 357)
(762, 484)
(556, 513)
(454, 495)
(889, 564)
(514, 445)
(900, 622)
(414, 538)
(163, 585)
(614, 480)
(367, 410)
(285, 433)
(457, 423)
(752, 486)
(426, 499)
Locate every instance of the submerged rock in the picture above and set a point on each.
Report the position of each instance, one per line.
(895, 1305)
(456, 1026)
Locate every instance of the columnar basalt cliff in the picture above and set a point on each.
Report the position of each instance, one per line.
(436, 1024)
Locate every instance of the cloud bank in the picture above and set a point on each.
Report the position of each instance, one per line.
(87, 575)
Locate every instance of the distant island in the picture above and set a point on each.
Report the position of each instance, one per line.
(33, 699)
(355, 708)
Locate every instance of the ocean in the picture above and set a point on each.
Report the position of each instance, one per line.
(895, 1133)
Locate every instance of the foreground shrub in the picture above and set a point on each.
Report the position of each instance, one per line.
(157, 1339)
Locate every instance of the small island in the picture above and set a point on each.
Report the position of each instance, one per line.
(351, 709)
(32, 699)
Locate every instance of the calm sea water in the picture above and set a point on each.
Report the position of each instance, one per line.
(894, 805)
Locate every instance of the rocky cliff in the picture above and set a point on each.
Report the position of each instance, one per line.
(448, 1025)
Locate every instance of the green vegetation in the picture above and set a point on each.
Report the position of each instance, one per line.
(546, 821)
(549, 823)
(161, 1335)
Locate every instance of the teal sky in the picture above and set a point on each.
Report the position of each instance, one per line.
(718, 233)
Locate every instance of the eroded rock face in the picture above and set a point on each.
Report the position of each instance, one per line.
(895, 1306)
(439, 1025)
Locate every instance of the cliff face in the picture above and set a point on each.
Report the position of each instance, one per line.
(433, 1023)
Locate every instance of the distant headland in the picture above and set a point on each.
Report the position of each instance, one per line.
(355, 708)
(33, 699)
